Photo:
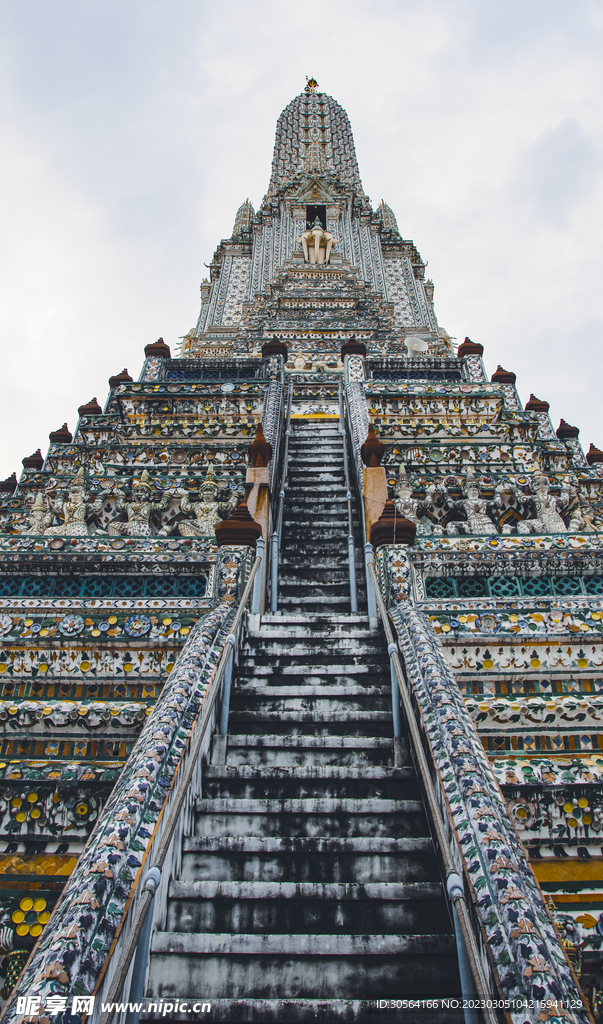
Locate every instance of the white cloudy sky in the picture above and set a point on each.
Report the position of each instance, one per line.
(132, 131)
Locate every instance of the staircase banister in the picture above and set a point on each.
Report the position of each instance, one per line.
(351, 548)
(457, 895)
(357, 477)
(158, 859)
(285, 463)
(276, 518)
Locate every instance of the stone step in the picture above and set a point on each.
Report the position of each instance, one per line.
(257, 660)
(303, 589)
(259, 665)
(301, 1011)
(302, 708)
(315, 454)
(325, 546)
(307, 907)
(319, 621)
(299, 524)
(301, 494)
(319, 509)
(358, 725)
(249, 689)
(301, 945)
(330, 647)
(253, 782)
(317, 966)
(365, 860)
(311, 477)
(316, 603)
(299, 721)
(276, 750)
(312, 685)
(310, 817)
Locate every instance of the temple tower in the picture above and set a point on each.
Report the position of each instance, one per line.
(313, 597)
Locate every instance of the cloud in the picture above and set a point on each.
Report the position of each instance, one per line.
(557, 173)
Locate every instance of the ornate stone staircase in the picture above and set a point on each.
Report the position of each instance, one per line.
(309, 888)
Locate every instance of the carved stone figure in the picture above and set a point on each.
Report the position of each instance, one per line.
(208, 511)
(475, 508)
(405, 504)
(547, 519)
(430, 512)
(39, 518)
(138, 510)
(317, 243)
(582, 518)
(75, 509)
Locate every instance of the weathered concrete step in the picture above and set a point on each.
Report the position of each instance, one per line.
(309, 578)
(300, 445)
(326, 450)
(325, 457)
(335, 559)
(385, 891)
(318, 620)
(304, 1011)
(311, 672)
(256, 689)
(302, 750)
(313, 806)
(316, 713)
(330, 549)
(360, 859)
(303, 708)
(306, 683)
(301, 944)
(403, 774)
(340, 623)
(334, 741)
(336, 646)
(311, 907)
(304, 591)
(318, 817)
(298, 524)
(316, 966)
(318, 603)
(252, 782)
(323, 846)
(300, 473)
(299, 495)
(321, 654)
(304, 594)
(332, 508)
(306, 481)
(357, 725)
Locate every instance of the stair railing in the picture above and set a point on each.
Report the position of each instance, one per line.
(351, 545)
(277, 522)
(473, 981)
(368, 547)
(138, 930)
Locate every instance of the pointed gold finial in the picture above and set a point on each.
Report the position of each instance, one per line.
(311, 84)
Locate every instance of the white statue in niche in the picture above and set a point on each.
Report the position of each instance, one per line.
(478, 520)
(317, 243)
(39, 518)
(404, 502)
(206, 513)
(547, 518)
(75, 509)
(138, 510)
